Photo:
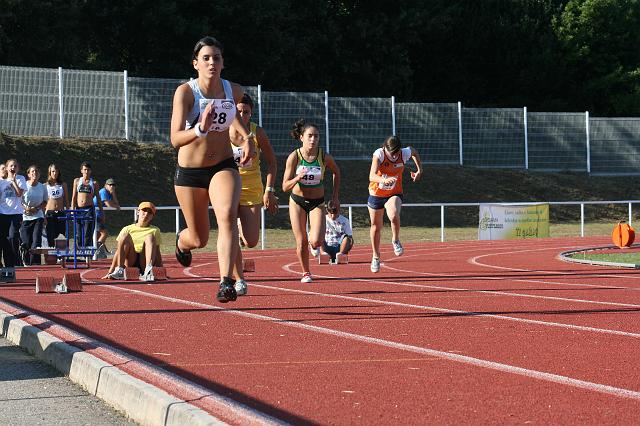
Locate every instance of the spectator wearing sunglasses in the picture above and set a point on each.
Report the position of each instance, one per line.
(109, 198)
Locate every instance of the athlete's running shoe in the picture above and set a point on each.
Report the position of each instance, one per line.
(117, 274)
(397, 248)
(241, 287)
(315, 252)
(147, 275)
(227, 291)
(306, 278)
(183, 257)
(375, 264)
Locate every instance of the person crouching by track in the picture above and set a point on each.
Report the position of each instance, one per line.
(203, 111)
(385, 192)
(338, 237)
(304, 176)
(253, 195)
(138, 245)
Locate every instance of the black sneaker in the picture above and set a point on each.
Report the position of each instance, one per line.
(227, 292)
(184, 257)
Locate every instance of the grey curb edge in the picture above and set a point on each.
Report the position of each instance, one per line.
(564, 256)
(142, 402)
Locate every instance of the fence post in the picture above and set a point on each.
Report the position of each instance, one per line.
(326, 119)
(351, 217)
(393, 115)
(125, 79)
(582, 219)
(630, 215)
(263, 234)
(526, 141)
(260, 105)
(442, 223)
(586, 118)
(60, 103)
(460, 131)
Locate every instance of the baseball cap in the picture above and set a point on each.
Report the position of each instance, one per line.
(147, 205)
(111, 181)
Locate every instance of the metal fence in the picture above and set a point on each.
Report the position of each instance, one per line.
(97, 104)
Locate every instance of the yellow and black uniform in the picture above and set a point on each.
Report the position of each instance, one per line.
(252, 188)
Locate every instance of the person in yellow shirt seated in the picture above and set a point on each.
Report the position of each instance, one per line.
(138, 245)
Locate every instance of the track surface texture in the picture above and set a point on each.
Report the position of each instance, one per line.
(464, 332)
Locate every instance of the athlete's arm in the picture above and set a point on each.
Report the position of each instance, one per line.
(269, 198)
(333, 166)
(182, 101)
(74, 197)
(289, 179)
(415, 176)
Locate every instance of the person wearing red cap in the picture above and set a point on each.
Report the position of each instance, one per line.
(138, 243)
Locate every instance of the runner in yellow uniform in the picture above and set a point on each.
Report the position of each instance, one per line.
(253, 195)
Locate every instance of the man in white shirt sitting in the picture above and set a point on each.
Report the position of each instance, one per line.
(338, 237)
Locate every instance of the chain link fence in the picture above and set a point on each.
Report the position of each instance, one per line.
(111, 105)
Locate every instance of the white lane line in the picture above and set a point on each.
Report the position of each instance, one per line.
(444, 310)
(505, 368)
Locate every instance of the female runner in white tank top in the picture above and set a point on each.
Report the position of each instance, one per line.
(57, 202)
(203, 111)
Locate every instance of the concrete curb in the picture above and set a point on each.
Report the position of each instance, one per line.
(565, 256)
(142, 402)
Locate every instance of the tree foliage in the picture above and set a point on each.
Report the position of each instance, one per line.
(551, 55)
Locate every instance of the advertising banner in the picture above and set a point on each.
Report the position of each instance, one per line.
(510, 221)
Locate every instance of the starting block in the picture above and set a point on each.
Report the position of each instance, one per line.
(248, 265)
(132, 273)
(342, 259)
(72, 282)
(160, 273)
(324, 259)
(7, 275)
(45, 284)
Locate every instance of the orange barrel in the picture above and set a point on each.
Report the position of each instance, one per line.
(623, 235)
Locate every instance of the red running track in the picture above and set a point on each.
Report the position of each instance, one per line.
(463, 332)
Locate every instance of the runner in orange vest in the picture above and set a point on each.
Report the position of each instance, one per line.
(385, 192)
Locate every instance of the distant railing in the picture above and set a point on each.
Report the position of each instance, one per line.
(113, 105)
(441, 206)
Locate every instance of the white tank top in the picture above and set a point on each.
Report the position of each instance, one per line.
(55, 191)
(224, 110)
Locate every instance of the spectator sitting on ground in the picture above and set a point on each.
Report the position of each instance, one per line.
(109, 199)
(338, 237)
(138, 245)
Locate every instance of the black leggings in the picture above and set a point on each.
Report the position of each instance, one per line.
(55, 226)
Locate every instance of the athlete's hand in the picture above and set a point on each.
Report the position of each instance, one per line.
(389, 180)
(206, 120)
(270, 202)
(303, 171)
(415, 176)
(248, 151)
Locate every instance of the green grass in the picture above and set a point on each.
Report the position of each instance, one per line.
(145, 172)
(633, 258)
(283, 238)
